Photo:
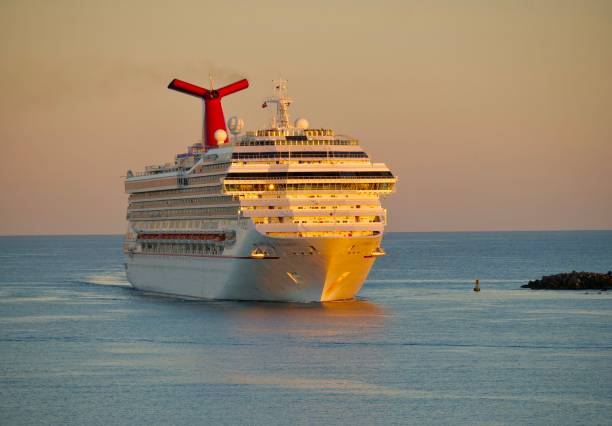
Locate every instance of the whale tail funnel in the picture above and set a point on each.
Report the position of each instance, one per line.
(213, 110)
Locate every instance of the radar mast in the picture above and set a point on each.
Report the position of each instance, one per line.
(282, 101)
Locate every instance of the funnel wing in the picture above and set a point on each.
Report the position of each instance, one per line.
(188, 88)
(232, 88)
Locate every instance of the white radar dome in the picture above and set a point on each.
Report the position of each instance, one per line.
(302, 123)
(220, 136)
(235, 125)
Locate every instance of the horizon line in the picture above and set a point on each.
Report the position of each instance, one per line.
(388, 232)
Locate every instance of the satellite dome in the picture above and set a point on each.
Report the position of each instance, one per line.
(220, 136)
(302, 123)
(235, 125)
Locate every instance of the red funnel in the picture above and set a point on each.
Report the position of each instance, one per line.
(213, 111)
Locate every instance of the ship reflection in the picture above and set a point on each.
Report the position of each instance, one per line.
(341, 318)
(315, 320)
(353, 307)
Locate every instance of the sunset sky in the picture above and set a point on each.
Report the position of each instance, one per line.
(495, 115)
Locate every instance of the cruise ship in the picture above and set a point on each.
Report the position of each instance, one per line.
(284, 213)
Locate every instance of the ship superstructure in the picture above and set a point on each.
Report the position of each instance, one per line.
(285, 213)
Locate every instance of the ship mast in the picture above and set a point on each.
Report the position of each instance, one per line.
(282, 101)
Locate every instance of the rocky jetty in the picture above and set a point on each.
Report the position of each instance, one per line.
(573, 281)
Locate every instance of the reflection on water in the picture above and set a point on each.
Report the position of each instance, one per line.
(312, 320)
(353, 308)
(324, 385)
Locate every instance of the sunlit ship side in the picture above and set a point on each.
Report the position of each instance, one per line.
(286, 213)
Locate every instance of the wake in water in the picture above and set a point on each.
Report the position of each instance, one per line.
(112, 278)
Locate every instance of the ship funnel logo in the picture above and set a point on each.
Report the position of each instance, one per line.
(213, 111)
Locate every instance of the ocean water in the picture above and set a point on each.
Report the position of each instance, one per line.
(79, 346)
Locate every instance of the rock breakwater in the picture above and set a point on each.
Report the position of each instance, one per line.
(573, 281)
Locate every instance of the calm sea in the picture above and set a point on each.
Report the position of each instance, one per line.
(79, 346)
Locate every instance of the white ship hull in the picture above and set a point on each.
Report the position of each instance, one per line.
(299, 270)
